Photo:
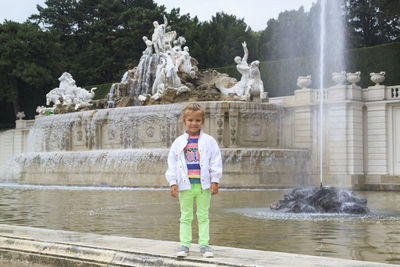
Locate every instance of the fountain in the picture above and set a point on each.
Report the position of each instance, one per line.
(128, 146)
(325, 199)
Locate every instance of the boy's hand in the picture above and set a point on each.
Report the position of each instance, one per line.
(174, 191)
(214, 188)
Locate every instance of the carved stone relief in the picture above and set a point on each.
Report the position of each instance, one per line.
(233, 123)
(220, 123)
(79, 136)
(150, 131)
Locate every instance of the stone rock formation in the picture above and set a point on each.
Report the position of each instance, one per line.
(321, 200)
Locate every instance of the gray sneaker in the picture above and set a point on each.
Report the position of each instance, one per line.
(183, 251)
(206, 251)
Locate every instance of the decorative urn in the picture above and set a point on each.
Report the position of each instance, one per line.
(377, 78)
(353, 78)
(21, 115)
(304, 81)
(339, 77)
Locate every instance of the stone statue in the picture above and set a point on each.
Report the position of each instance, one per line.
(160, 77)
(243, 68)
(160, 91)
(158, 36)
(171, 71)
(179, 43)
(166, 77)
(161, 65)
(255, 86)
(83, 97)
(68, 94)
(149, 46)
(53, 97)
(169, 39)
(250, 83)
(42, 110)
(184, 63)
(66, 88)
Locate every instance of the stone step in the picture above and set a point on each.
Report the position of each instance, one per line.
(39, 246)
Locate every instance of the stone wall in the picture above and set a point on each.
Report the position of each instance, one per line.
(232, 124)
(129, 147)
(361, 134)
(13, 142)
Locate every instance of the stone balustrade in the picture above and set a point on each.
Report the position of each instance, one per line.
(393, 92)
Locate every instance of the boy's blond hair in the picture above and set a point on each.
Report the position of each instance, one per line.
(189, 108)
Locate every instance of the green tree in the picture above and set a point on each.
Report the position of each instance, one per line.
(100, 38)
(218, 41)
(288, 36)
(28, 65)
(373, 22)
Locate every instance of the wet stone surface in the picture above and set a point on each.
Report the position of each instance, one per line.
(321, 200)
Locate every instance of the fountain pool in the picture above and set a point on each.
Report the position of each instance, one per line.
(153, 214)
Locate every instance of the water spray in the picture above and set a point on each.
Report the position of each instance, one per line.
(321, 91)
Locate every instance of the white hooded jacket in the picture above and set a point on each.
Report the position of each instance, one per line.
(210, 162)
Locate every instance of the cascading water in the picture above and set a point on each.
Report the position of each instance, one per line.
(129, 146)
(124, 77)
(144, 77)
(110, 101)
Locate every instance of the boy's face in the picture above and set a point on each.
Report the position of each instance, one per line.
(193, 122)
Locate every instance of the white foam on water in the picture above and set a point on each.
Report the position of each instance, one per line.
(81, 162)
(268, 214)
(80, 188)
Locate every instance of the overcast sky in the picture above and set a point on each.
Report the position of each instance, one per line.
(256, 13)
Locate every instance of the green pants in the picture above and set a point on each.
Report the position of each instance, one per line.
(186, 200)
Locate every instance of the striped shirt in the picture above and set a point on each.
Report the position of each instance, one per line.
(192, 157)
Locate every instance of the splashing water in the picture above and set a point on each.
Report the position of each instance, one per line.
(321, 86)
(331, 47)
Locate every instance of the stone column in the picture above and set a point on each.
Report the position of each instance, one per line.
(19, 136)
(13, 141)
(344, 135)
(394, 140)
(233, 124)
(344, 144)
(377, 141)
(304, 100)
(303, 127)
(355, 138)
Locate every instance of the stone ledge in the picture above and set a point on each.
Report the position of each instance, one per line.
(381, 187)
(62, 248)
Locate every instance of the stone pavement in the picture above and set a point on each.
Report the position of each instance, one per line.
(44, 247)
